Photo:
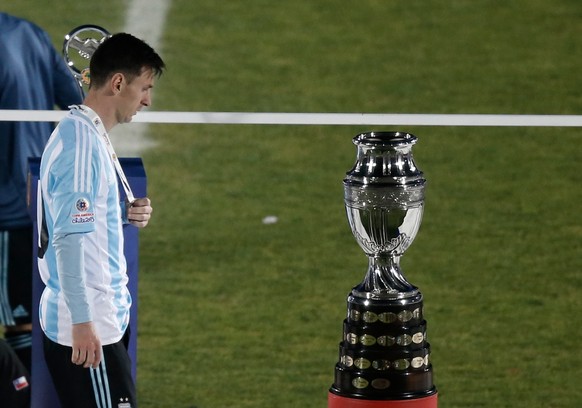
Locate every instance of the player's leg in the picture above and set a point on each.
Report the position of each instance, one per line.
(116, 366)
(72, 382)
(16, 291)
(110, 384)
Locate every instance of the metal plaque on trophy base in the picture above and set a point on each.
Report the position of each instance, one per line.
(384, 355)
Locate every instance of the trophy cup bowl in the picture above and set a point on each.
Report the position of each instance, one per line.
(384, 199)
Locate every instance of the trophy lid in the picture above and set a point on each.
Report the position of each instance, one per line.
(385, 139)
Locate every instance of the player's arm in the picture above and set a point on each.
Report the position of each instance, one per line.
(72, 196)
(71, 266)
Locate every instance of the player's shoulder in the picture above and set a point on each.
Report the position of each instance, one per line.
(14, 26)
(71, 137)
(74, 125)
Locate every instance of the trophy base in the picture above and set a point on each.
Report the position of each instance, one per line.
(336, 401)
(408, 296)
(384, 354)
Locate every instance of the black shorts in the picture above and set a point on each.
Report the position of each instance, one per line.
(109, 385)
(16, 276)
(14, 379)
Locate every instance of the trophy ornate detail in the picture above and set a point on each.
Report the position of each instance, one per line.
(384, 354)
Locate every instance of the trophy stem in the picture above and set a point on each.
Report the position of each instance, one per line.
(384, 280)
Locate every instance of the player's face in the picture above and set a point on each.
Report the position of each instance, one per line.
(135, 95)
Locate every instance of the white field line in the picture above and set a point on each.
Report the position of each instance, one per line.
(274, 118)
(144, 19)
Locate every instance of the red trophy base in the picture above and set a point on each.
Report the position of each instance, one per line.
(335, 401)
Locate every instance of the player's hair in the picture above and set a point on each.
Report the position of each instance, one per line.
(125, 54)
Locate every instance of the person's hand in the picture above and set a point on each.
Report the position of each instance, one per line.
(140, 212)
(86, 345)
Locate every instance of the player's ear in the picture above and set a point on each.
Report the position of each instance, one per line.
(116, 82)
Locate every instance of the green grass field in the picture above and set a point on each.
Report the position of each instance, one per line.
(235, 313)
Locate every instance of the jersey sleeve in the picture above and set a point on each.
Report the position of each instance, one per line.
(70, 266)
(74, 182)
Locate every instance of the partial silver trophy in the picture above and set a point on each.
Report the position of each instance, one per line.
(78, 48)
(384, 198)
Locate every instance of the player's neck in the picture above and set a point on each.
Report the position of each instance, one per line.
(102, 107)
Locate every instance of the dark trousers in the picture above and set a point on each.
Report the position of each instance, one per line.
(108, 386)
(14, 379)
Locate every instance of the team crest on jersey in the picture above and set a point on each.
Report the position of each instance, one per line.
(82, 204)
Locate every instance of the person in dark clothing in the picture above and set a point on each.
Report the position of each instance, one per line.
(33, 76)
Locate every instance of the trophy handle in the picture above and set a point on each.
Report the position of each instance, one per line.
(78, 48)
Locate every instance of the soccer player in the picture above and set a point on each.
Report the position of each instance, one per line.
(84, 309)
(32, 76)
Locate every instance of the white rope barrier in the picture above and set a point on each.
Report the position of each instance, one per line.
(274, 118)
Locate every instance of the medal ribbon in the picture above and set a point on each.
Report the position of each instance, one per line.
(96, 120)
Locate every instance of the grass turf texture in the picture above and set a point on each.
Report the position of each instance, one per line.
(237, 313)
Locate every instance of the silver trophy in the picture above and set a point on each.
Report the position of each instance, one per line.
(78, 48)
(384, 199)
(384, 354)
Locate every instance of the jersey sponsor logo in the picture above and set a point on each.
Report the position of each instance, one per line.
(20, 311)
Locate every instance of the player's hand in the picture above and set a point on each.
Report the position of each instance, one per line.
(140, 212)
(86, 345)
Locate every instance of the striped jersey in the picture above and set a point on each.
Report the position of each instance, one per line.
(79, 190)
